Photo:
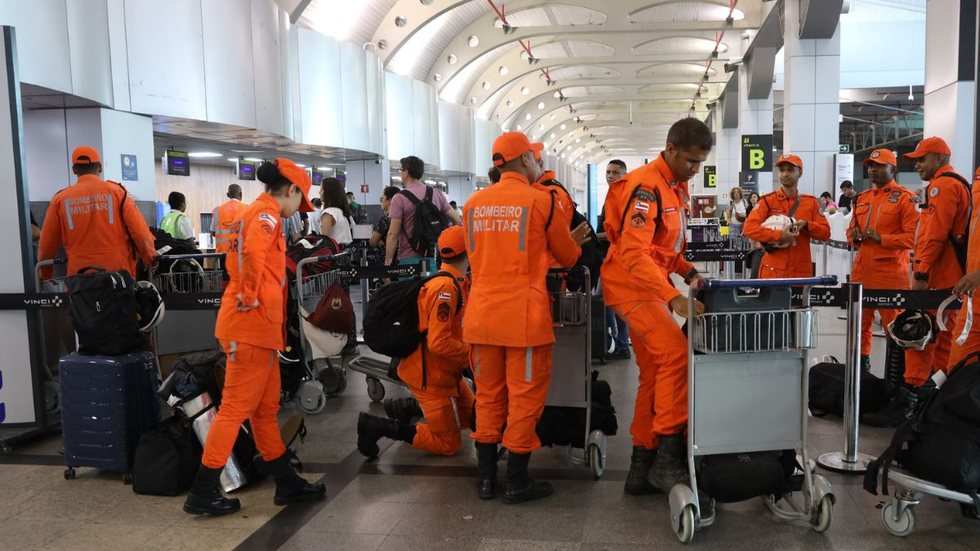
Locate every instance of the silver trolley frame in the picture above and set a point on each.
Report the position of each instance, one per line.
(311, 397)
(571, 375)
(729, 374)
(180, 331)
(899, 513)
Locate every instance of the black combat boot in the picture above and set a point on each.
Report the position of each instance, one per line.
(638, 479)
(403, 409)
(486, 455)
(670, 465)
(866, 364)
(520, 487)
(899, 409)
(205, 497)
(290, 487)
(370, 429)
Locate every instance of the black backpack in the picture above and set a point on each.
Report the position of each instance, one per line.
(167, 458)
(593, 252)
(391, 319)
(428, 223)
(941, 443)
(103, 312)
(961, 244)
(734, 477)
(827, 390)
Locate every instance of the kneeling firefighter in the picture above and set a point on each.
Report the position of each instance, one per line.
(434, 372)
(251, 330)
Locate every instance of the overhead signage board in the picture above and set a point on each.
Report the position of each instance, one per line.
(178, 163)
(757, 152)
(710, 176)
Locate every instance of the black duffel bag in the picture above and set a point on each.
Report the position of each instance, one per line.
(103, 312)
(167, 459)
(827, 390)
(734, 477)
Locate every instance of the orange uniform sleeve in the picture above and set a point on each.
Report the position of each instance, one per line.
(138, 230)
(681, 266)
(817, 224)
(260, 235)
(51, 238)
(936, 222)
(564, 250)
(853, 223)
(904, 239)
(442, 318)
(753, 225)
(637, 233)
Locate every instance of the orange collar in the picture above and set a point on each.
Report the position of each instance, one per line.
(548, 175)
(269, 202)
(446, 267)
(88, 178)
(942, 170)
(887, 188)
(513, 178)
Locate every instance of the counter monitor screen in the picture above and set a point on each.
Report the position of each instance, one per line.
(246, 170)
(178, 164)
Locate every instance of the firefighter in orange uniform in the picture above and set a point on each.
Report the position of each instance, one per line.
(882, 230)
(966, 288)
(787, 251)
(223, 216)
(645, 220)
(436, 381)
(96, 221)
(508, 321)
(943, 218)
(251, 330)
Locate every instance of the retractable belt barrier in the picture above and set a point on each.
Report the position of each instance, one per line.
(884, 299)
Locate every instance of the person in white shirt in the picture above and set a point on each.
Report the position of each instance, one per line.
(736, 212)
(336, 221)
(316, 215)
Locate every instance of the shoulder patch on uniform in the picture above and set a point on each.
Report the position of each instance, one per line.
(638, 220)
(934, 191)
(444, 296)
(645, 195)
(641, 206)
(443, 311)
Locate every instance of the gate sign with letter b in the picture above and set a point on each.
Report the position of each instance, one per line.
(757, 152)
(710, 176)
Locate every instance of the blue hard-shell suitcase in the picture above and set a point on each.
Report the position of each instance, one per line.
(107, 402)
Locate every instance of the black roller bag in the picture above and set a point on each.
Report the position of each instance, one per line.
(106, 404)
(734, 477)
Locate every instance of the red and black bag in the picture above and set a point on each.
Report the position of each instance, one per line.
(334, 312)
(311, 246)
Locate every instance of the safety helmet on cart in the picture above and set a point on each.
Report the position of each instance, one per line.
(150, 308)
(778, 222)
(912, 329)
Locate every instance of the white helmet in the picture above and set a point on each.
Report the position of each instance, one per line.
(778, 222)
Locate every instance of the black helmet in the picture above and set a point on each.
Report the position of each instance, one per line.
(912, 329)
(149, 306)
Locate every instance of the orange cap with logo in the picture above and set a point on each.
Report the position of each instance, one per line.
(512, 145)
(452, 243)
(298, 176)
(927, 146)
(881, 157)
(789, 158)
(84, 155)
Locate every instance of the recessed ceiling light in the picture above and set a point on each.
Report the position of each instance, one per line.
(473, 41)
(232, 160)
(203, 154)
(451, 59)
(527, 117)
(485, 85)
(525, 91)
(400, 21)
(503, 70)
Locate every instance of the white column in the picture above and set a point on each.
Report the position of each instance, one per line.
(754, 117)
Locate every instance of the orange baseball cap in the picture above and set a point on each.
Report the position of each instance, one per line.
(976, 177)
(791, 159)
(881, 157)
(299, 178)
(929, 145)
(452, 243)
(512, 145)
(537, 152)
(84, 155)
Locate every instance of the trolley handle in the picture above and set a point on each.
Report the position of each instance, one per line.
(760, 283)
(44, 264)
(312, 259)
(197, 256)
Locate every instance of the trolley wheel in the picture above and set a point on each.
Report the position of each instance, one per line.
(334, 380)
(688, 521)
(70, 473)
(903, 525)
(824, 514)
(321, 402)
(375, 389)
(596, 461)
(127, 478)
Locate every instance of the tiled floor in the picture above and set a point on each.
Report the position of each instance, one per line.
(413, 501)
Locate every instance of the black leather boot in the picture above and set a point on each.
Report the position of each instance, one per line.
(403, 409)
(205, 497)
(899, 409)
(486, 455)
(520, 487)
(290, 487)
(638, 479)
(670, 466)
(370, 429)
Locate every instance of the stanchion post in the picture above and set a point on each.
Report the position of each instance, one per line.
(850, 460)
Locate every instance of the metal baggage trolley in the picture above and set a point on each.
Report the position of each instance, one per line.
(571, 375)
(737, 361)
(899, 513)
(322, 376)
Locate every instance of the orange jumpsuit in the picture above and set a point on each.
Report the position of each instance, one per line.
(256, 263)
(508, 318)
(563, 201)
(794, 260)
(445, 398)
(225, 216)
(944, 211)
(890, 211)
(98, 224)
(645, 222)
(972, 344)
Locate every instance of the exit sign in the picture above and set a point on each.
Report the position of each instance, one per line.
(844, 148)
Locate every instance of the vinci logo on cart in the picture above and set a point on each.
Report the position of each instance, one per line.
(3, 407)
(44, 302)
(209, 301)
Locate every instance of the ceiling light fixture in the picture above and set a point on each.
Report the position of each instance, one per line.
(203, 154)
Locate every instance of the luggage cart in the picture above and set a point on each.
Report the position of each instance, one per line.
(737, 361)
(200, 279)
(322, 376)
(899, 513)
(187, 329)
(57, 333)
(571, 375)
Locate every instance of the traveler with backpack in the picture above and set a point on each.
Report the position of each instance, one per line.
(939, 259)
(223, 216)
(967, 287)
(336, 221)
(96, 221)
(615, 170)
(418, 215)
(512, 234)
(176, 223)
(434, 371)
(645, 223)
(250, 329)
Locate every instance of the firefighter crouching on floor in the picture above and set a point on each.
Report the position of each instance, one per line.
(788, 249)
(434, 372)
(882, 229)
(645, 220)
(251, 330)
(967, 288)
(512, 234)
